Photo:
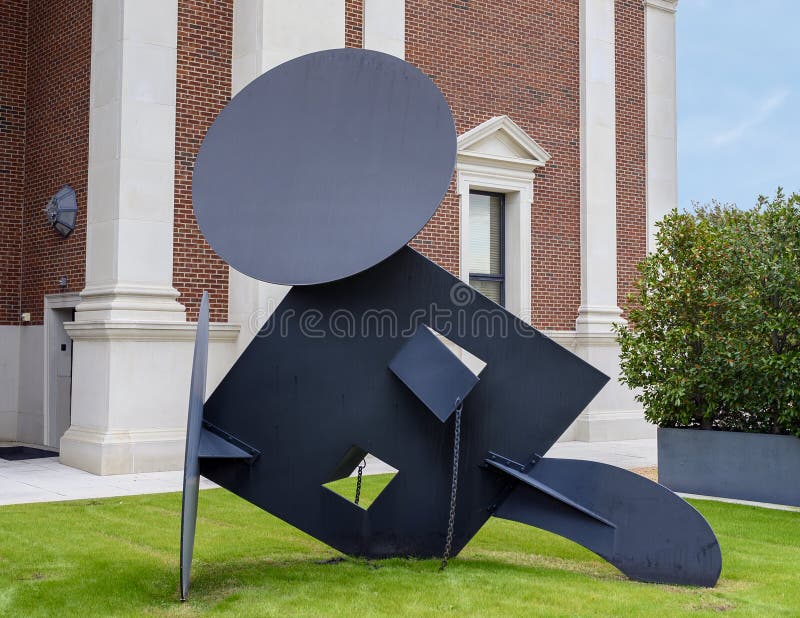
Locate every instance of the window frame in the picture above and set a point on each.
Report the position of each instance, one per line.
(498, 156)
(501, 278)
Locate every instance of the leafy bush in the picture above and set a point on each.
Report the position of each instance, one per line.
(713, 339)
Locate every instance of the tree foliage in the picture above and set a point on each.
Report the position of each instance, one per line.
(713, 339)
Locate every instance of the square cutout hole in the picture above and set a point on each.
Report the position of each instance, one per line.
(376, 476)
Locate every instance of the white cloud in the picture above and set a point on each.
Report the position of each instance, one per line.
(757, 117)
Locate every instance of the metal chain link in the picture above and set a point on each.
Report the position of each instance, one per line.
(454, 485)
(361, 467)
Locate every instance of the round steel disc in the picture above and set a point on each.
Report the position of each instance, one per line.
(324, 166)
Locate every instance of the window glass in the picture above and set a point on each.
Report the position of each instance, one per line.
(486, 267)
(484, 231)
(493, 290)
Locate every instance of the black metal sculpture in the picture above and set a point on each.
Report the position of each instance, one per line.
(349, 363)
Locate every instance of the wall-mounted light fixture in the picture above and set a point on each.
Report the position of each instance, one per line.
(62, 210)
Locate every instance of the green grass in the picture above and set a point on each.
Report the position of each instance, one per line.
(119, 556)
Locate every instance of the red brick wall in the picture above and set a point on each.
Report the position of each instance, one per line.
(520, 58)
(631, 144)
(205, 30)
(13, 43)
(56, 145)
(353, 23)
(515, 57)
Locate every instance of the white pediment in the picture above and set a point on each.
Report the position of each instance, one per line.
(498, 141)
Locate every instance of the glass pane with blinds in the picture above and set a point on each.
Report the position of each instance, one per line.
(493, 290)
(485, 220)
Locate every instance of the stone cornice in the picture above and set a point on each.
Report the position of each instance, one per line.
(559, 336)
(147, 331)
(665, 5)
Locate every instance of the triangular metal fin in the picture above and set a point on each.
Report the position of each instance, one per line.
(528, 479)
(215, 446)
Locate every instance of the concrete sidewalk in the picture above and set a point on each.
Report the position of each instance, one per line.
(628, 454)
(46, 480)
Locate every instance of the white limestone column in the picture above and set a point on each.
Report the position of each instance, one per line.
(132, 344)
(598, 309)
(661, 102)
(131, 163)
(267, 33)
(613, 414)
(385, 26)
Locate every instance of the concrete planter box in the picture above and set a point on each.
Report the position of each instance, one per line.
(747, 466)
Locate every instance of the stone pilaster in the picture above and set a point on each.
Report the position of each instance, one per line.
(599, 309)
(613, 414)
(385, 26)
(661, 101)
(267, 33)
(132, 344)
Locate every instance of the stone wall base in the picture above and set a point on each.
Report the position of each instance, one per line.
(614, 414)
(130, 392)
(122, 452)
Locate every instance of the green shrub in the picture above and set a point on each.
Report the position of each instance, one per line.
(713, 339)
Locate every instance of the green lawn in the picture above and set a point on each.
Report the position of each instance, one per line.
(119, 556)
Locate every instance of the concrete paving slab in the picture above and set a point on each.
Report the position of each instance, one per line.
(47, 480)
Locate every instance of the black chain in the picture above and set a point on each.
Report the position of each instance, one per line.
(361, 467)
(454, 485)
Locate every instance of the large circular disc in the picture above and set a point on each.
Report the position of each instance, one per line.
(324, 166)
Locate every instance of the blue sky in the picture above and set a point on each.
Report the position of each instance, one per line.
(738, 106)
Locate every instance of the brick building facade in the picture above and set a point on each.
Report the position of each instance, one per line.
(564, 107)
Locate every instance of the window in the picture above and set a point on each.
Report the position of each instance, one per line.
(497, 159)
(486, 244)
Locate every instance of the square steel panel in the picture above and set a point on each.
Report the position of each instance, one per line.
(433, 373)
